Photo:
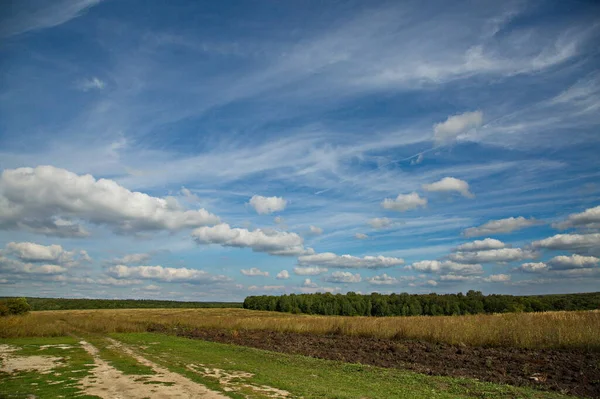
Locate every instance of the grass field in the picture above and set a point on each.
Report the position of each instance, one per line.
(107, 353)
(143, 363)
(523, 330)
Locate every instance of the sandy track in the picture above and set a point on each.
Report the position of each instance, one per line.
(107, 382)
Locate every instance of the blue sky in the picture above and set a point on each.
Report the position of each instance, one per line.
(213, 150)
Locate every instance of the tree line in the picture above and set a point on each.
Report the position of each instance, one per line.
(473, 302)
(14, 306)
(68, 303)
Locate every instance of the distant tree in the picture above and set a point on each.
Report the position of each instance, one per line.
(14, 306)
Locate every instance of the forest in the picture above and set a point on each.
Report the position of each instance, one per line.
(68, 303)
(473, 302)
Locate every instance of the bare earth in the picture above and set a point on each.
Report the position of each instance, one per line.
(12, 363)
(110, 383)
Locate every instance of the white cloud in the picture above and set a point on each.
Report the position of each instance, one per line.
(497, 278)
(569, 241)
(315, 230)
(29, 251)
(8, 265)
(30, 196)
(310, 270)
(383, 279)
(283, 275)
(266, 288)
(309, 284)
(329, 259)
(132, 259)
(436, 266)
(457, 277)
(271, 241)
(167, 274)
(432, 283)
(266, 205)
(448, 184)
(417, 160)
(481, 245)
(343, 277)
(590, 219)
(32, 252)
(278, 219)
(380, 223)
(404, 202)
(151, 287)
(447, 131)
(507, 225)
(573, 262)
(25, 18)
(91, 84)
(493, 255)
(189, 196)
(56, 227)
(361, 236)
(32, 258)
(254, 272)
(533, 267)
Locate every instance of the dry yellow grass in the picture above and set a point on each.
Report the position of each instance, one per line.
(526, 330)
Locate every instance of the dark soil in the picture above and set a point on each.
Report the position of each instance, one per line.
(576, 372)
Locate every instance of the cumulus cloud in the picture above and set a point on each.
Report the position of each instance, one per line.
(32, 252)
(273, 242)
(329, 259)
(569, 241)
(450, 184)
(457, 277)
(166, 274)
(132, 259)
(254, 272)
(266, 205)
(343, 277)
(278, 220)
(573, 262)
(189, 196)
(283, 275)
(310, 270)
(15, 266)
(266, 288)
(481, 245)
(380, 223)
(314, 230)
(447, 131)
(383, 279)
(497, 278)
(31, 258)
(432, 283)
(493, 255)
(501, 226)
(361, 236)
(589, 219)
(533, 267)
(309, 284)
(33, 196)
(436, 266)
(56, 227)
(404, 202)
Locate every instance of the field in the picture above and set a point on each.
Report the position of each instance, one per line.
(149, 353)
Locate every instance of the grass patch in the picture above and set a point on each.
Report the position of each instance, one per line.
(313, 378)
(61, 381)
(116, 358)
(576, 330)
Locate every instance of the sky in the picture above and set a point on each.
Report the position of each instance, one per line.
(195, 150)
